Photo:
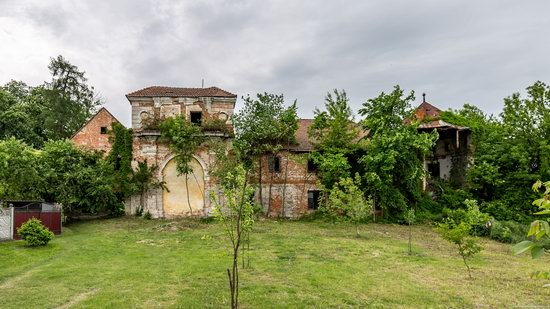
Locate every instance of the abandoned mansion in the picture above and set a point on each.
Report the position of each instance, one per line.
(288, 177)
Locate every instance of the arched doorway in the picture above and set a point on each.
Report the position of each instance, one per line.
(175, 197)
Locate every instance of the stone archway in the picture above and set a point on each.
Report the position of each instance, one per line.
(174, 197)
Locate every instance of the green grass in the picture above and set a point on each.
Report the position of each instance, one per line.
(135, 263)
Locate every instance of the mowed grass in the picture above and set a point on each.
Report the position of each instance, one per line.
(135, 263)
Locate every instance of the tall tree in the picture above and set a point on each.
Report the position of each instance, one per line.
(335, 136)
(262, 126)
(394, 154)
(70, 100)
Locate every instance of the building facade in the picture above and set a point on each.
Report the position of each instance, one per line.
(94, 134)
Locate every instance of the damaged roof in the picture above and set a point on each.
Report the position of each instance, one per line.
(430, 117)
(162, 91)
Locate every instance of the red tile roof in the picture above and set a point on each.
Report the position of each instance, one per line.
(426, 110)
(160, 91)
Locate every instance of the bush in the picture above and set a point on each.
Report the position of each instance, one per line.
(147, 215)
(477, 220)
(508, 231)
(34, 233)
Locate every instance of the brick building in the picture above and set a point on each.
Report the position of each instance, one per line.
(201, 106)
(453, 152)
(93, 135)
(289, 179)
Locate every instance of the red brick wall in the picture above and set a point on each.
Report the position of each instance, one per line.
(90, 137)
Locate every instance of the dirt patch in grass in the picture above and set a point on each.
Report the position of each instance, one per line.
(78, 298)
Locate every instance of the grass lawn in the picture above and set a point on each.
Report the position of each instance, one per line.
(135, 263)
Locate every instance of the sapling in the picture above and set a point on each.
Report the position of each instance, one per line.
(236, 212)
(459, 234)
(410, 217)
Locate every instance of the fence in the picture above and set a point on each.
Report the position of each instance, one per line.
(6, 230)
(21, 211)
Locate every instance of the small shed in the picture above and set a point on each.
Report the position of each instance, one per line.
(20, 211)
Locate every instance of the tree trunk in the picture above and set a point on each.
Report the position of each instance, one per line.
(188, 200)
(260, 183)
(410, 239)
(357, 229)
(286, 179)
(269, 196)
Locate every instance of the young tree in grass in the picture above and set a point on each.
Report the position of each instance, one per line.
(143, 179)
(236, 212)
(459, 235)
(346, 201)
(410, 218)
(184, 140)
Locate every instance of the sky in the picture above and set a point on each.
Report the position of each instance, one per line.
(457, 52)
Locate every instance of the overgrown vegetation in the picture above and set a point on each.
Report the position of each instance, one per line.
(184, 139)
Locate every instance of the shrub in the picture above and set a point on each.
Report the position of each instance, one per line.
(477, 220)
(508, 231)
(147, 215)
(34, 233)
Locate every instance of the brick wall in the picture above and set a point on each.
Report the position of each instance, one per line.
(91, 136)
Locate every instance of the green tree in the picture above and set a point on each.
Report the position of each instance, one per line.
(184, 140)
(346, 201)
(142, 180)
(20, 174)
(393, 161)
(236, 212)
(410, 218)
(69, 100)
(335, 136)
(262, 127)
(82, 181)
(458, 233)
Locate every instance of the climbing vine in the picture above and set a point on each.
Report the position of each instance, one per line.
(120, 158)
(184, 139)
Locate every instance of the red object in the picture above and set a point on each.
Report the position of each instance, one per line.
(51, 220)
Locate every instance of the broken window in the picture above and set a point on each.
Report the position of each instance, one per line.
(433, 169)
(274, 164)
(313, 199)
(103, 130)
(311, 166)
(196, 117)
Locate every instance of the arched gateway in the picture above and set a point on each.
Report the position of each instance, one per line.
(177, 201)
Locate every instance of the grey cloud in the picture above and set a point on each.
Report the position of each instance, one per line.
(457, 52)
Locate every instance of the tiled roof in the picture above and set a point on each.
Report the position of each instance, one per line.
(160, 91)
(426, 110)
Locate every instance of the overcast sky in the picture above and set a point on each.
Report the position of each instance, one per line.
(456, 51)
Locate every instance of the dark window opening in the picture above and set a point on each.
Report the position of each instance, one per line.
(117, 163)
(447, 146)
(274, 164)
(313, 199)
(433, 169)
(311, 166)
(196, 117)
(103, 130)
